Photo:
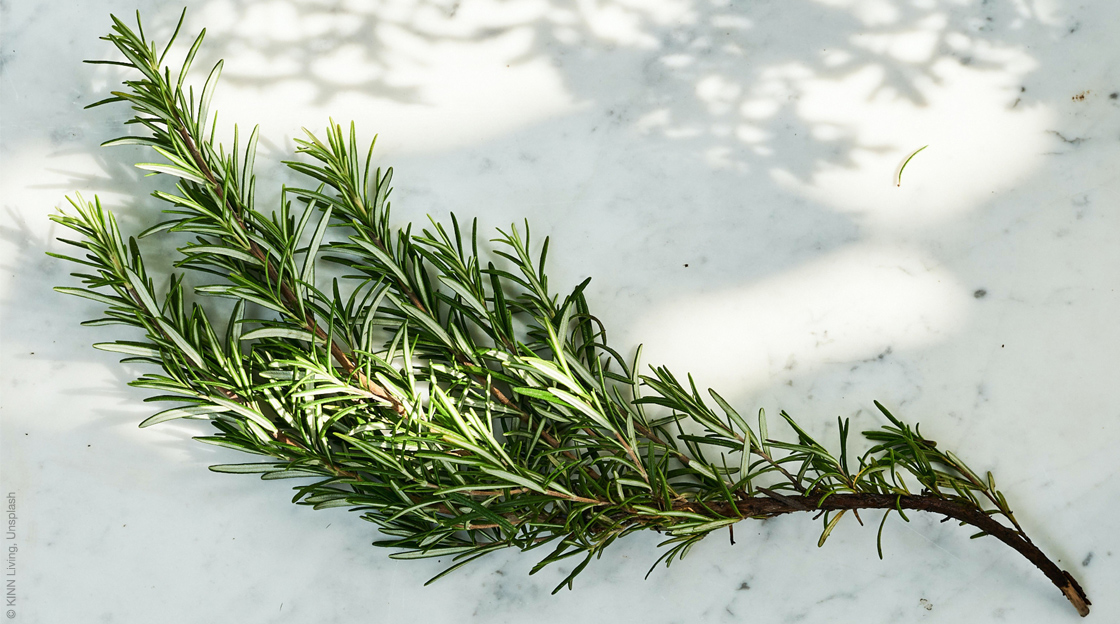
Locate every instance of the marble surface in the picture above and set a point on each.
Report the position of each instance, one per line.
(727, 172)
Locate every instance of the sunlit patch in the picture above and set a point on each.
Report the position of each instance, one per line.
(846, 306)
(684, 132)
(977, 142)
(759, 108)
(916, 45)
(751, 134)
(616, 24)
(567, 36)
(870, 12)
(732, 22)
(836, 58)
(722, 157)
(677, 61)
(652, 120)
(828, 132)
(718, 93)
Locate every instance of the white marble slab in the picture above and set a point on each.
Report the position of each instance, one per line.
(727, 172)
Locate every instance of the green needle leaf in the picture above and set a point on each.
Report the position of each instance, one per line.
(908, 159)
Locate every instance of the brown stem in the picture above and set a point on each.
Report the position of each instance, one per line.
(969, 514)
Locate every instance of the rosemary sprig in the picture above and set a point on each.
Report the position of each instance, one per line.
(456, 402)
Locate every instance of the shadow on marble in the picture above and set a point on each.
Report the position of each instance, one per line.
(727, 82)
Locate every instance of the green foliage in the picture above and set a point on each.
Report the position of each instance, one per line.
(440, 388)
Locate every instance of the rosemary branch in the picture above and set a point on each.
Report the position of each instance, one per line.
(454, 401)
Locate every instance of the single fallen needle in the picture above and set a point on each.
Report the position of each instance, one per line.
(912, 155)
